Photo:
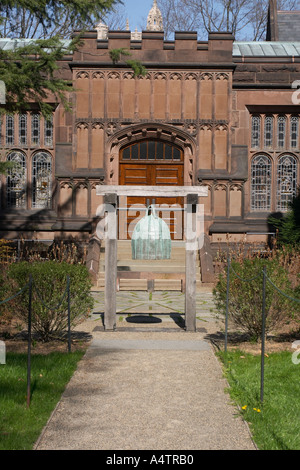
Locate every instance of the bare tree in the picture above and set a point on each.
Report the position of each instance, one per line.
(116, 19)
(246, 19)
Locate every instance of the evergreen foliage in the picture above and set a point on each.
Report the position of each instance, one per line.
(288, 225)
(30, 68)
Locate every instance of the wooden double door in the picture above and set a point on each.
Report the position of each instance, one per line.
(151, 172)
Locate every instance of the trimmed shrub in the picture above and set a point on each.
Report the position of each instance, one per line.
(245, 298)
(49, 287)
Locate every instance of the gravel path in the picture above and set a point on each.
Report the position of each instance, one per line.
(146, 388)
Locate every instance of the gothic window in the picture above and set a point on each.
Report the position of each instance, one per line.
(281, 123)
(255, 135)
(16, 181)
(268, 132)
(294, 132)
(48, 132)
(41, 180)
(10, 129)
(261, 183)
(286, 181)
(23, 129)
(35, 129)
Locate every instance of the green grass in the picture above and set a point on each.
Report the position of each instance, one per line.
(21, 426)
(275, 422)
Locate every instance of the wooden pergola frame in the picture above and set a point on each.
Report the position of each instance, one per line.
(111, 194)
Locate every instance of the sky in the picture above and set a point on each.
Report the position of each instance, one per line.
(137, 12)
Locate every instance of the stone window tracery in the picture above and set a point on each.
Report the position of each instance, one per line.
(16, 181)
(33, 169)
(23, 129)
(48, 132)
(35, 129)
(41, 180)
(268, 132)
(255, 134)
(261, 178)
(272, 135)
(294, 132)
(10, 130)
(281, 130)
(286, 181)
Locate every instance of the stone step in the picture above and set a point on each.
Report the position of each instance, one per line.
(166, 270)
(125, 246)
(160, 275)
(133, 265)
(127, 256)
(141, 284)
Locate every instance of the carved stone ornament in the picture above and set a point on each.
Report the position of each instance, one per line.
(111, 128)
(82, 125)
(82, 74)
(155, 19)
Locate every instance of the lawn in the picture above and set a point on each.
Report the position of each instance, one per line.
(274, 423)
(21, 426)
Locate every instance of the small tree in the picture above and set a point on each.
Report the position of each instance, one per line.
(49, 286)
(288, 225)
(245, 297)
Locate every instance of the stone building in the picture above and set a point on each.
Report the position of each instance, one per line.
(218, 113)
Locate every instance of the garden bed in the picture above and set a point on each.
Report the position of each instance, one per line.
(14, 335)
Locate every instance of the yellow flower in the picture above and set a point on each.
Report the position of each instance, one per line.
(244, 407)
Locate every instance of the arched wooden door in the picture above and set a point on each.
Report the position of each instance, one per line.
(151, 163)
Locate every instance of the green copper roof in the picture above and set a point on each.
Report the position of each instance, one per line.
(266, 49)
(240, 48)
(8, 44)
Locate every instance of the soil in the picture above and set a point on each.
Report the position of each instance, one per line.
(276, 341)
(15, 337)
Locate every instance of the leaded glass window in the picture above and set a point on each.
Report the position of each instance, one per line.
(16, 181)
(48, 132)
(10, 129)
(23, 129)
(261, 183)
(35, 129)
(41, 180)
(255, 135)
(286, 181)
(294, 132)
(281, 123)
(152, 150)
(268, 132)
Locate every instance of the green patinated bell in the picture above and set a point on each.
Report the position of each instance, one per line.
(151, 238)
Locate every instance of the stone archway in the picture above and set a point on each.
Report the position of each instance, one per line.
(155, 155)
(147, 131)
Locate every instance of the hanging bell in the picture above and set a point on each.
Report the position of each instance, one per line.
(151, 237)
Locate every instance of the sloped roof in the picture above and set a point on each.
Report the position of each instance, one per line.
(288, 25)
(240, 48)
(266, 49)
(8, 44)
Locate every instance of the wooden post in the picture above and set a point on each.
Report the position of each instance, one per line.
(190, 262)
(111, 201)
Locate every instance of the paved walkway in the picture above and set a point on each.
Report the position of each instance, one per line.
(149, 385)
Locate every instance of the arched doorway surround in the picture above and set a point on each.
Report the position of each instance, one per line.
(151, 155)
